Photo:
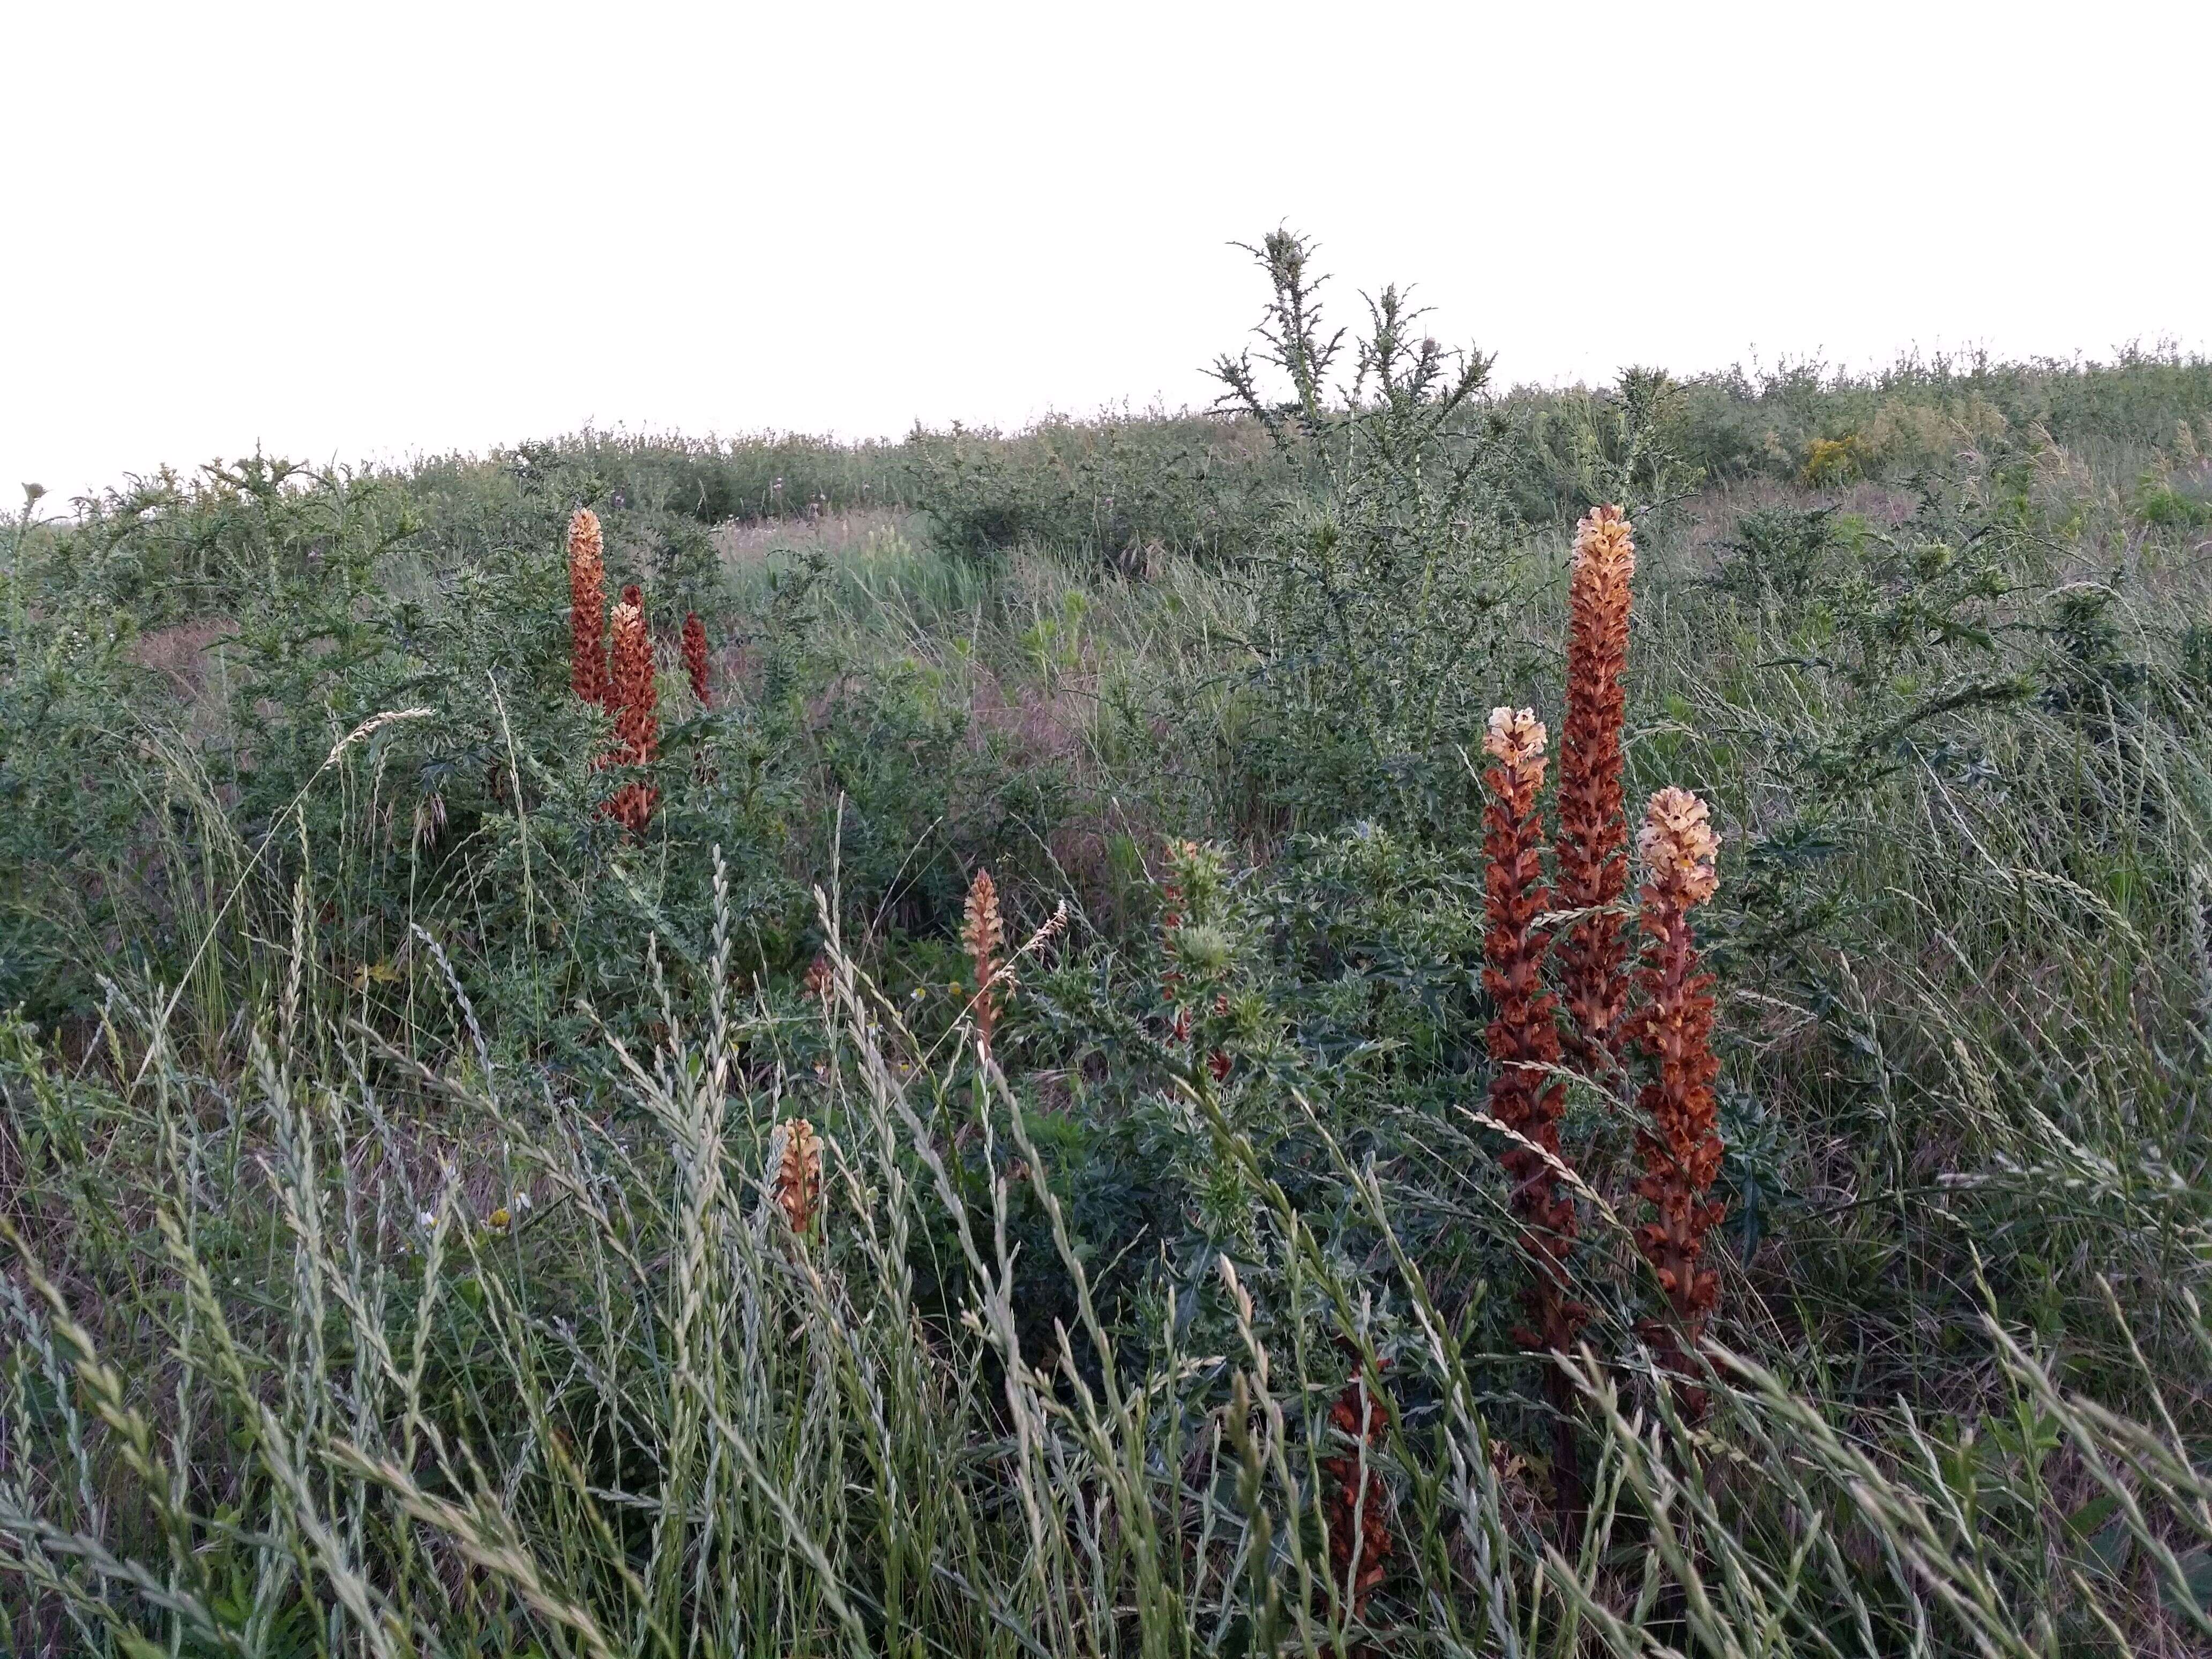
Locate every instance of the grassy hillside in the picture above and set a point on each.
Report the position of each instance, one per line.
(412, 1247)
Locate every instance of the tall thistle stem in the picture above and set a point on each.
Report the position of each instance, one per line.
(1523, 1039)
(1592, 850)
(1682, 1147)
(588, 606)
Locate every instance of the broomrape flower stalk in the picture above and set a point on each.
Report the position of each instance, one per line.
(1681, 1148)
(637, 732)
(984, 935)
(1523, 1038)
(1592, 849)
(820, 977)
(587, 604)
(1358, 1533)
(798, 1184)
(695, 656)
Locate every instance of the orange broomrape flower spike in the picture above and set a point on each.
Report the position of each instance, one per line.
(820, 977)
(588, 606)
(1681, 1149)
(634, 699)
(984, 935)
(1523, 1040)
(797, 1183)
(1358, 1531)
(695, 656)
(1592, 849)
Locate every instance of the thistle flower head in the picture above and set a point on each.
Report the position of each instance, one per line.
(1515, 739)
(1604, 546)
(1677, 844)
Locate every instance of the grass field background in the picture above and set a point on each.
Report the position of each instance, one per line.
(390, 1141)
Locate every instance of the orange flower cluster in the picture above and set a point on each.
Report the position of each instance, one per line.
(695, 656)
(587, 604)
(984, 935)
(797, 1183)
(619, 677)
(1359, 1532)
(633, 697)
(1680, 1144)
(1681, 1150)
(1592, 849)
(1524, 1035)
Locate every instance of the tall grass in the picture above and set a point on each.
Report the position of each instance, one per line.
(443, 1363)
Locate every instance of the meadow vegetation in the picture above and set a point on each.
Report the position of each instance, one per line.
(1057, 1090)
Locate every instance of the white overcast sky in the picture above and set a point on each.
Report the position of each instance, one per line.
(347, 231)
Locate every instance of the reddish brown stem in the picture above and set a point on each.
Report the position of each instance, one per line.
(695, 657)
(1523, 1038)
(588, 606)
(1592, 849)
(1681, 1147)
(634, 698)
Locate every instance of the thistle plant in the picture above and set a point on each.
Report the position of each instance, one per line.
(1681, 1148)
(695, 657)
(1385, 578)
(1592, 847)
(634, 699)
(587, 604)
